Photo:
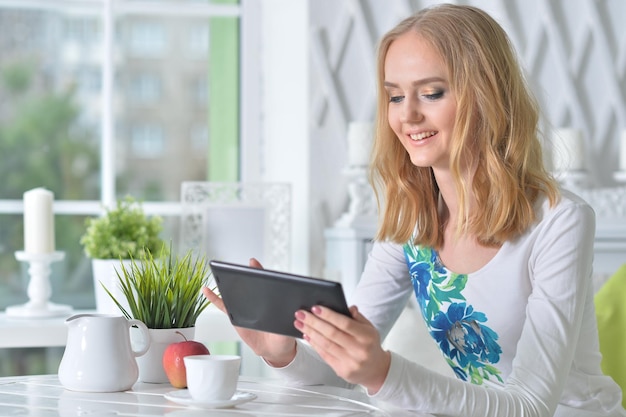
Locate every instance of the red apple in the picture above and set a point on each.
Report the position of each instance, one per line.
(173, 363)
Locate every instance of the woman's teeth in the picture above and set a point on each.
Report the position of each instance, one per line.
(420, 136)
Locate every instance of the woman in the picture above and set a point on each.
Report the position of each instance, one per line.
(473, 225)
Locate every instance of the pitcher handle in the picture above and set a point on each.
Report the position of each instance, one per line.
(145, 333)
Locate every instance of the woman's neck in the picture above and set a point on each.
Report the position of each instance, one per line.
(448, 198)
(449, 205)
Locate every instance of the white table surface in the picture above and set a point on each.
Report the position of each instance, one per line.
(43, 396)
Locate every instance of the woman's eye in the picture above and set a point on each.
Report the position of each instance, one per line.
(433, 96)
(395, 99)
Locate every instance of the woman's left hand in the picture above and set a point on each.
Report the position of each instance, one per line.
(350, 346)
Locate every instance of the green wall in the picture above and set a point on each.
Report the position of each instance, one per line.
(224, 93)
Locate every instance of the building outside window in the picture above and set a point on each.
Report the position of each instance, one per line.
(96, 102)
(147, 141)
(144, 89)
(146, 39)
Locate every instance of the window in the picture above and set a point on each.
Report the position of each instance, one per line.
(146, 39)
(199, 92)
(199, 138)
(198, 42)
(147, 141)
(104, 98)
(144, 89)
(82, 31)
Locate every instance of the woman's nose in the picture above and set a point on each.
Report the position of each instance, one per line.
(411, 111)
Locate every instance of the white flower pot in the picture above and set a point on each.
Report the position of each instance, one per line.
(151, 363)
(105, 273)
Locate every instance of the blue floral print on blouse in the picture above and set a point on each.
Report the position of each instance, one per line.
(469, 346)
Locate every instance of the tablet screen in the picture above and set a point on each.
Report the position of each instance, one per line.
(267, 300)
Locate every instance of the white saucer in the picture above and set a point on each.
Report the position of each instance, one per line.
(183, 397)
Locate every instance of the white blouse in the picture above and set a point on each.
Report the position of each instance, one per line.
(520, 333)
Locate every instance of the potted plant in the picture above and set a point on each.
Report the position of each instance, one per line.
(165, 294)
(122, 233)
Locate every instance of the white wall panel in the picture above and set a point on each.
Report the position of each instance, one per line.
(573, 50)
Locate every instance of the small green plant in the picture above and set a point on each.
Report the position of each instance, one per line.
(164, 293)
(123, 232)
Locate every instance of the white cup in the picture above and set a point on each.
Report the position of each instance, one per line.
(212, 377)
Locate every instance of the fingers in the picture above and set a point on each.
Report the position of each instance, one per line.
(322, 337)
(336, 333)
(350, 345)
(214, 298)
(255, 263)
(335, 328)
(356, 315)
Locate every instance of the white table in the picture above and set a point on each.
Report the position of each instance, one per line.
(43, 396)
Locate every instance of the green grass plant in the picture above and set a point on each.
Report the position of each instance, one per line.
(164, 292)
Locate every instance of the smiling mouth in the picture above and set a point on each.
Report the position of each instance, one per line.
(421, 136)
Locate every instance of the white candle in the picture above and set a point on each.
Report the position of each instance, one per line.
(622, 152)
(360, 136)
(38, 221)
(568, 150)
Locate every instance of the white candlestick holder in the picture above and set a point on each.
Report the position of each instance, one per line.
(620, 176)
(39, 289)
(362, 208)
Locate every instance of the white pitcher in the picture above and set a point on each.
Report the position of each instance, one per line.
(98, 356)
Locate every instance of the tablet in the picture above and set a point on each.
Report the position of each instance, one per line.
(266, 300)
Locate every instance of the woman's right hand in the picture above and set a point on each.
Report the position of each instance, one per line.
(277, 350)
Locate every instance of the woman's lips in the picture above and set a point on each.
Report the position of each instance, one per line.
(421, 135)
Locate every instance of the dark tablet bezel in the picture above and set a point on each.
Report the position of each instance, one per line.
(266, 300)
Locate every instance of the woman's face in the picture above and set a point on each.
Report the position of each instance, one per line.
(422, 108)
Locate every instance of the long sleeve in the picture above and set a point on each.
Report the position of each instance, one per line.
(307, 368)
(535, 297)
(520, 333)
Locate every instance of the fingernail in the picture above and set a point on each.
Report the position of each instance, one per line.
(316, 310)
(299, 315)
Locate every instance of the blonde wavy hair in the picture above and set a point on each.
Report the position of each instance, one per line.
(496, 130)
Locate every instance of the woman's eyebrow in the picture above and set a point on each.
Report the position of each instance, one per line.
(416, 83)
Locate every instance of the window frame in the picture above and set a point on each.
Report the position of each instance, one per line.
(249, 108)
